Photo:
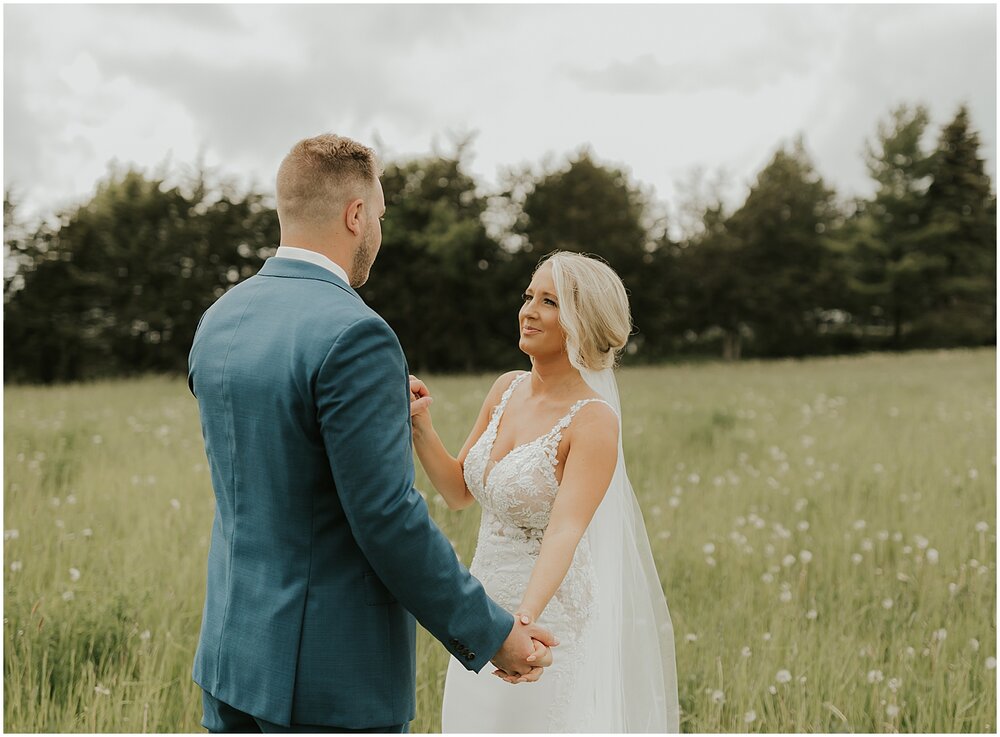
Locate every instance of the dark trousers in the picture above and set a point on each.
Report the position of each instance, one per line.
(221, 717)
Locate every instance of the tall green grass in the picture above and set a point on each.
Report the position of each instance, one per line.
(824, 531)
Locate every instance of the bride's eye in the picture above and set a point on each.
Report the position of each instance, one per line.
(525, 296)
(550, 302)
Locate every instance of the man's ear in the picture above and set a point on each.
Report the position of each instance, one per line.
(354, 216)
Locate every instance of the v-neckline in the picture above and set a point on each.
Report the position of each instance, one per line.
(488, 473)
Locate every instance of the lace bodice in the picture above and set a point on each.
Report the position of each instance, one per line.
(520, 488)
(516, 494)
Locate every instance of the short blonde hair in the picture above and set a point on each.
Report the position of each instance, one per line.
(322, 174)
(593, 309)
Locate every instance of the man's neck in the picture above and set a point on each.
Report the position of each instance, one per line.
(315, 255)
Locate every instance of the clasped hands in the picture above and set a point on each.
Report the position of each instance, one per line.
(525, 653)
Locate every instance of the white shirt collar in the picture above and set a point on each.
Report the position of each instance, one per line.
(313, 257)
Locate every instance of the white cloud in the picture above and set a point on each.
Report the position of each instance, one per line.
(658, 89)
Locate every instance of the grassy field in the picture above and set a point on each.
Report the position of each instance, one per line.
(824, 531)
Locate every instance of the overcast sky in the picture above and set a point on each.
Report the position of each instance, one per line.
(658, 89)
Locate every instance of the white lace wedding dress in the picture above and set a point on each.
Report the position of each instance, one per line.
(516, 494)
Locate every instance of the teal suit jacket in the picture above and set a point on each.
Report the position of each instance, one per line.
(322, 551)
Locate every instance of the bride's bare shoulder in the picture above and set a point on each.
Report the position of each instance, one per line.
(501, 385)
(596, 417)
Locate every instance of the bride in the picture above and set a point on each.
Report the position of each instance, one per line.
(561, 541)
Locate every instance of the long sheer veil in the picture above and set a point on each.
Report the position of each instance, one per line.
(630, 682)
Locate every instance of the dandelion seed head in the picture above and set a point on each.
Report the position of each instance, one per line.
(11, 534)
(974, 644)
(887, 603)
(691, 637)
(767, 636)
(811, 614)
(783, 676)
(932, 556)
(67, 595)
(16, 566)
(74, 574)
(892, 711)
(175, 503)
(991, 663)
(708, 548)
(772, 689)
(718, 697)
(856, 558)
(982, 527)
(746, 652)
(750, 716)
(875, 676)
(788, 560)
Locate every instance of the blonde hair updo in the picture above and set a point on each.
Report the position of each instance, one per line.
(593, 309)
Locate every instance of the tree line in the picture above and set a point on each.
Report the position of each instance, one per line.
(117, 285)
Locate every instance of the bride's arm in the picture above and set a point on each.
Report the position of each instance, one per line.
(444, 471)
(590, 464)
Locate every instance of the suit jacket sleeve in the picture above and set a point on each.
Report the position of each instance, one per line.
(362, 396)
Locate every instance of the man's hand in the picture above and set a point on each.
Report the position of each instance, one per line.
(525, 653)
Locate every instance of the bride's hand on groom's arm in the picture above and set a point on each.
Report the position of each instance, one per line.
(420, 401)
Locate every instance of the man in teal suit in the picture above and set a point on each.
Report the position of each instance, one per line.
(322, 551)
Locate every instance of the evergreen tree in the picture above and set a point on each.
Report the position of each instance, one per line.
(119, 286)
(962, 207)
(590, 208)
(439, 280)
(892, 268)
(784, 272)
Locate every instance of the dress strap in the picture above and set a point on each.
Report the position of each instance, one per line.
(568, 417)
(499, 408)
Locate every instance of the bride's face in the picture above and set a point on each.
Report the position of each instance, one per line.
(538, 318)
